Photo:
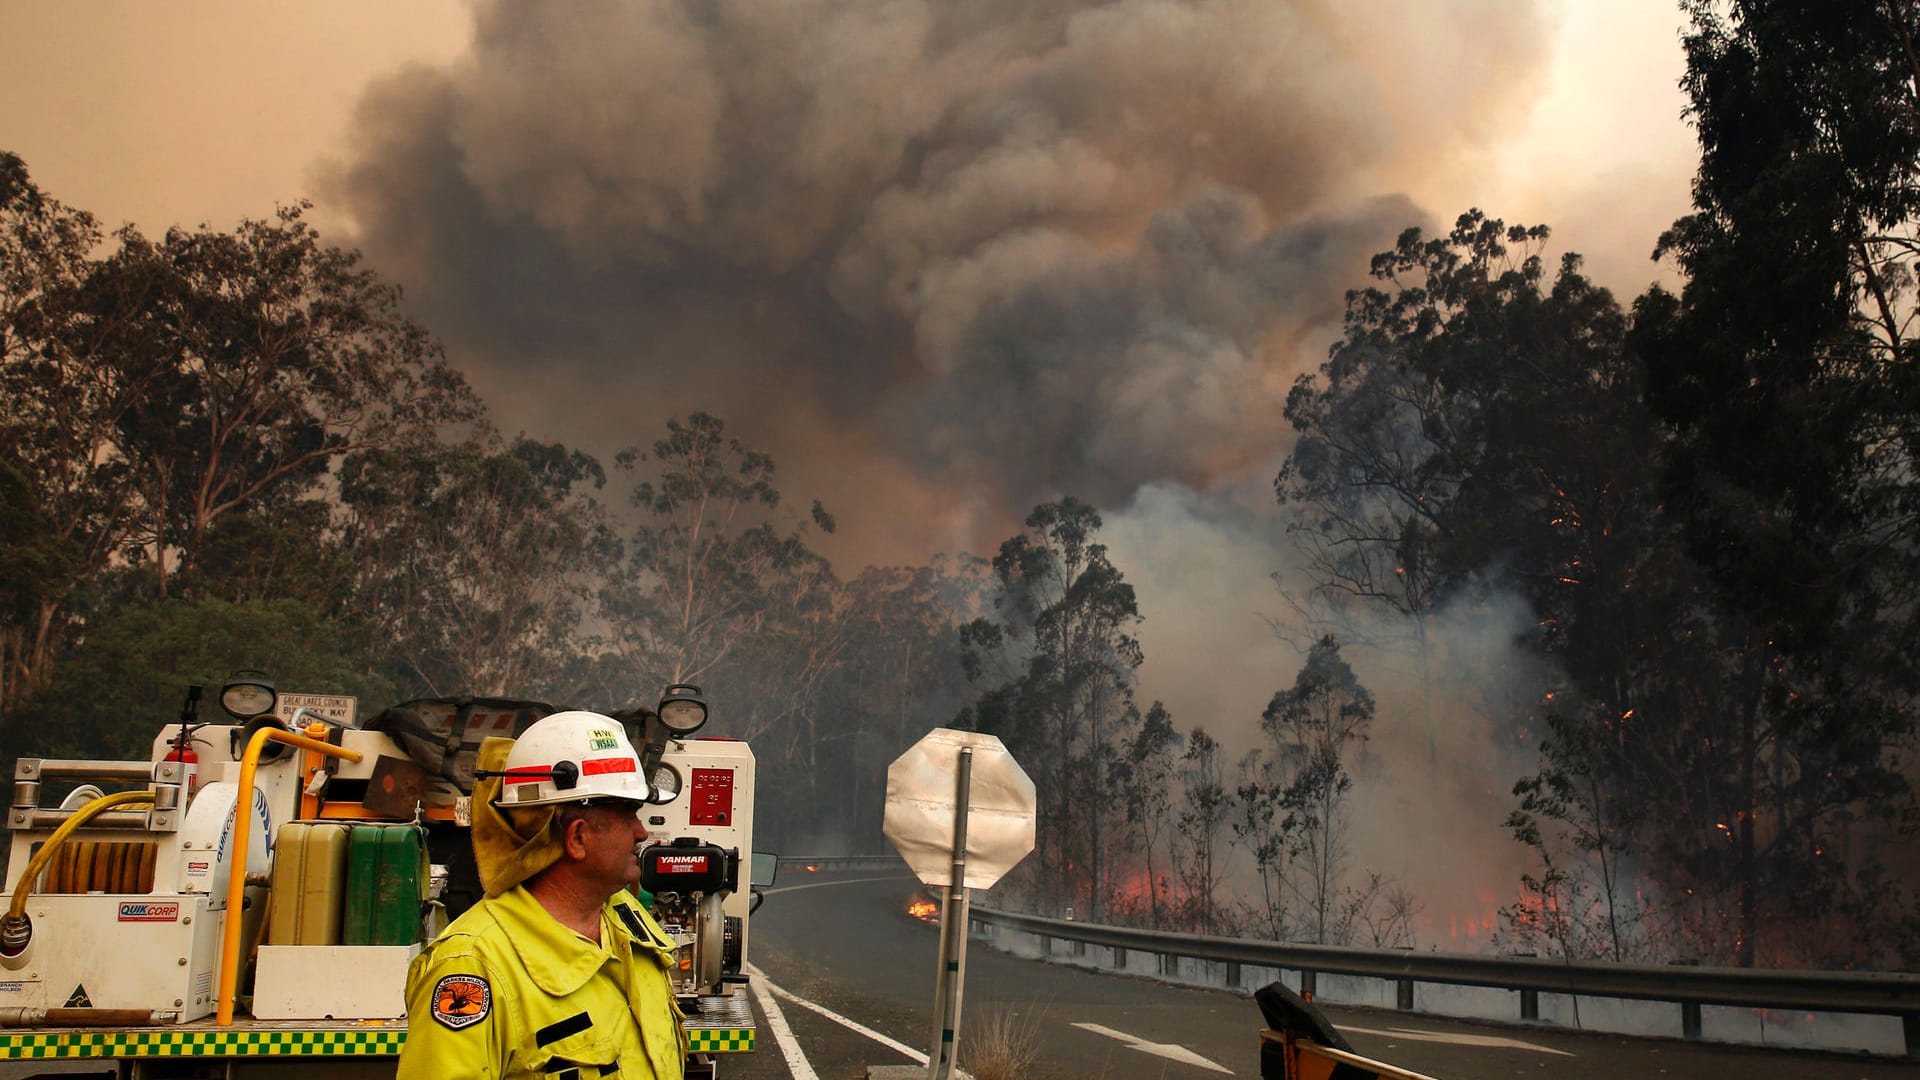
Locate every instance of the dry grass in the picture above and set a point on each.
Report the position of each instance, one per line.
(1002, 1042)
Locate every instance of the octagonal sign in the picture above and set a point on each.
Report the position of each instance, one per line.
(923, 795)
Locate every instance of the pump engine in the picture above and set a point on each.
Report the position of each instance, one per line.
(693, 868)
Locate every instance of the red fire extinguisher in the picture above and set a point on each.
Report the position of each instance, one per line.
(183, 751)
(186, 754)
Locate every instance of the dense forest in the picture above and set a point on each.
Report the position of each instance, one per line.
(225, 449)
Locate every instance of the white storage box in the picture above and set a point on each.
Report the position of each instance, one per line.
(341, 982)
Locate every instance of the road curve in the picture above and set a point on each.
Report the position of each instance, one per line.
(847, 980)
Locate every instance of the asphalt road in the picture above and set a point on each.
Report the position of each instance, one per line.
(838, 949)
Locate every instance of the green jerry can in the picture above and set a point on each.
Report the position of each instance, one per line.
(308, 884)
(386, 884)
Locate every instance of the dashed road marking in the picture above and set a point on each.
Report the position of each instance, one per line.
(1170, 1051)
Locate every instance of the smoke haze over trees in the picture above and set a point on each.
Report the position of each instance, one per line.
(1592, 622)
(1000, 251)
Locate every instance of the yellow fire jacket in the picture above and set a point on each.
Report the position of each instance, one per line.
(506, 991)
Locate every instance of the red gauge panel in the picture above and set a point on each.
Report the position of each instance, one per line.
(711, 801)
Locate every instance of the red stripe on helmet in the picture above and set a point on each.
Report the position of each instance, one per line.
(529, 774)
(596, 766)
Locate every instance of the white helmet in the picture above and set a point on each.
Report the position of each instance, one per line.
(569, 757)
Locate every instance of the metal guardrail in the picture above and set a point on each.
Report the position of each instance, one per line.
(1877, 993)
(842, 862)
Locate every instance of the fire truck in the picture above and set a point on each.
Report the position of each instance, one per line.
(246, 900)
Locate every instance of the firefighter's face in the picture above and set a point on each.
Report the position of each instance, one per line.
(613, 834)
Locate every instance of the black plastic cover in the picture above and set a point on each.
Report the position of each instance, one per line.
(683, 868)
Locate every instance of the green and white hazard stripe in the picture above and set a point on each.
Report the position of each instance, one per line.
(720, 1040)
(188, 1042)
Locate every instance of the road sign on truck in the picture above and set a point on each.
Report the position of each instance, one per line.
(339, 709)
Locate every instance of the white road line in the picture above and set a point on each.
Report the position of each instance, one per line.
(797, 1063)
(1497, 1041)
(851, 1025)
(849, 881)
(1170, 1051)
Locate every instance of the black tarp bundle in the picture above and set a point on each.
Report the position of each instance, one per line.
(443, 735)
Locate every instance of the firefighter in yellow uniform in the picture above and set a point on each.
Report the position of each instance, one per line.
(559, 972)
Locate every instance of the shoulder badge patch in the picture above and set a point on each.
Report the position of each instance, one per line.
(461, 1001)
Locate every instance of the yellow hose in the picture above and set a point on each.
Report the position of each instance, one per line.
(59, 837)
(237, 865)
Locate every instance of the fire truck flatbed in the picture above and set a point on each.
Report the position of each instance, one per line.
(323, 852)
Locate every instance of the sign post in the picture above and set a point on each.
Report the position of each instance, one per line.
(961, 812)
(952, 976)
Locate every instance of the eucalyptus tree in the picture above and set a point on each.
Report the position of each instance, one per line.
(478, 561)
(1544, 461)
(277, 355)
(1313, 726)
(1145, 775)
(719, 585)
(895, 668)
(156, 389)
(1056, 663)
(1205, 806)
(72, 499)
(1389, 430)
(1786, 369)
(116, 688)
(1270, 837)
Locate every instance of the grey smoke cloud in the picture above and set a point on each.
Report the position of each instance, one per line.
(946, 258)
(1434, 787)
(1059, 366)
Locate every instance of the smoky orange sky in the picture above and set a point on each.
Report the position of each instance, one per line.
(944, 259)
(214, 110)
(1553, 111)
(160, 114)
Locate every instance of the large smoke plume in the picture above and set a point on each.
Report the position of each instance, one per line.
(962, 256)
(944, 259)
